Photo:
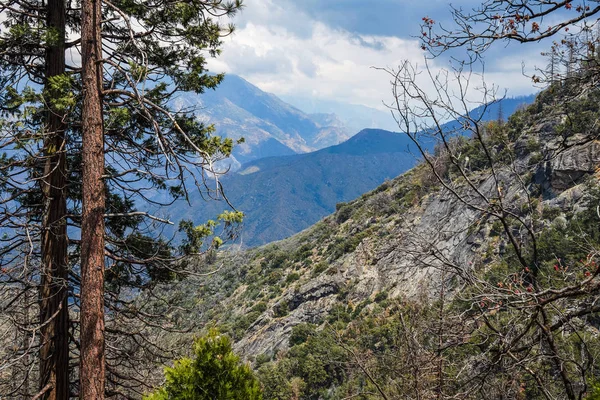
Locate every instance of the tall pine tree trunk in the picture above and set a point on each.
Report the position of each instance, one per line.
(54, 317)
(92, 366)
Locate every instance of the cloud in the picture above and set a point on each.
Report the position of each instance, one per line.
(284, 49)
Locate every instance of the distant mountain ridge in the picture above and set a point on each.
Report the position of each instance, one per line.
(269, 126)
(283, 195)
(355, 116)
(272, 127)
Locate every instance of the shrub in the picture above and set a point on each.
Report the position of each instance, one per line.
(262, 359)
(381, 296)
(260, 307)
(294, 276)
(215, 373)
(282, 309)
(301, 333)
(320, 267)
(343, 213)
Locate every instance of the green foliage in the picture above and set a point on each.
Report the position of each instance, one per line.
(152, 150)
(319, 268)
(195, 236)
(243, 322)
(301, 333)
(594, 392)
(215, 373)
(581, 115)
(262, 359)
(275, 379)
(535, 158)
(314, 363)
(294, 276)
(273, 258)
(343, 212)
(345, 245)
(381, 296)
(549, 213)
(59, 93)
(260, 307)
(282, 309)
(339, 313)
(303, 253)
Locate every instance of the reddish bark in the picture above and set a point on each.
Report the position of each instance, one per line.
(92, 358)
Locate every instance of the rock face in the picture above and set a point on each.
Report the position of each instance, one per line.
(570, 166)
(408, 238)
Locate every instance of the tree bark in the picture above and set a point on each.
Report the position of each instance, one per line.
(54, 317)
(92, 362)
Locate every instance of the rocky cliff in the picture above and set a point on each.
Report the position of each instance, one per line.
(411, 237)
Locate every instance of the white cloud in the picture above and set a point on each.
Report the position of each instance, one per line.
(284, 51)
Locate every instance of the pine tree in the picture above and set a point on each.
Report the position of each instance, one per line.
(144, 145)
(32, 54)
(215, 373)
(92, 369)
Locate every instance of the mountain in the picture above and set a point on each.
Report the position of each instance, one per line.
(283, 195)
(504, 108)
(270, 126)
(458, 276)
(358, 117)
(355, 116)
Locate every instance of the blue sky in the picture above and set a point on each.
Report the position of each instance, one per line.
(326, 49)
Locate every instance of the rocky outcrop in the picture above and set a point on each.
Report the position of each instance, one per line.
(408, 238)
(568, 167)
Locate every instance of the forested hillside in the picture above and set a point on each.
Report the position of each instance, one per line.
(416, 287)
(457, 258)
(281, 196)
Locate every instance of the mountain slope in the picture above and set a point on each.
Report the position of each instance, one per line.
(240, 109)
(283, 195)
(392, 262)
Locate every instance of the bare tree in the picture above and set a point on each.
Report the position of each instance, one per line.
(521, 21)
(515, 321)
(571, 29)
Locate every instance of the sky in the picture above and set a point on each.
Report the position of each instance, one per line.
(331, 50)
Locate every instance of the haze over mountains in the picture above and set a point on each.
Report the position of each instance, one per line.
(356, 117)
(269, 126)
(276, 180)
(283, 195)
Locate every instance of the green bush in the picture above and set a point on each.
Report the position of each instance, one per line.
(320, 267)
(343, 213)
(381, 296)
(281, 310)
(260, 307)
(345, 245)
(294, 276)
(594, 393)
(301, 333)
(215, 373)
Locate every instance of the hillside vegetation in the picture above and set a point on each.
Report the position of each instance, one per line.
(418, 289)
(281, 196)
